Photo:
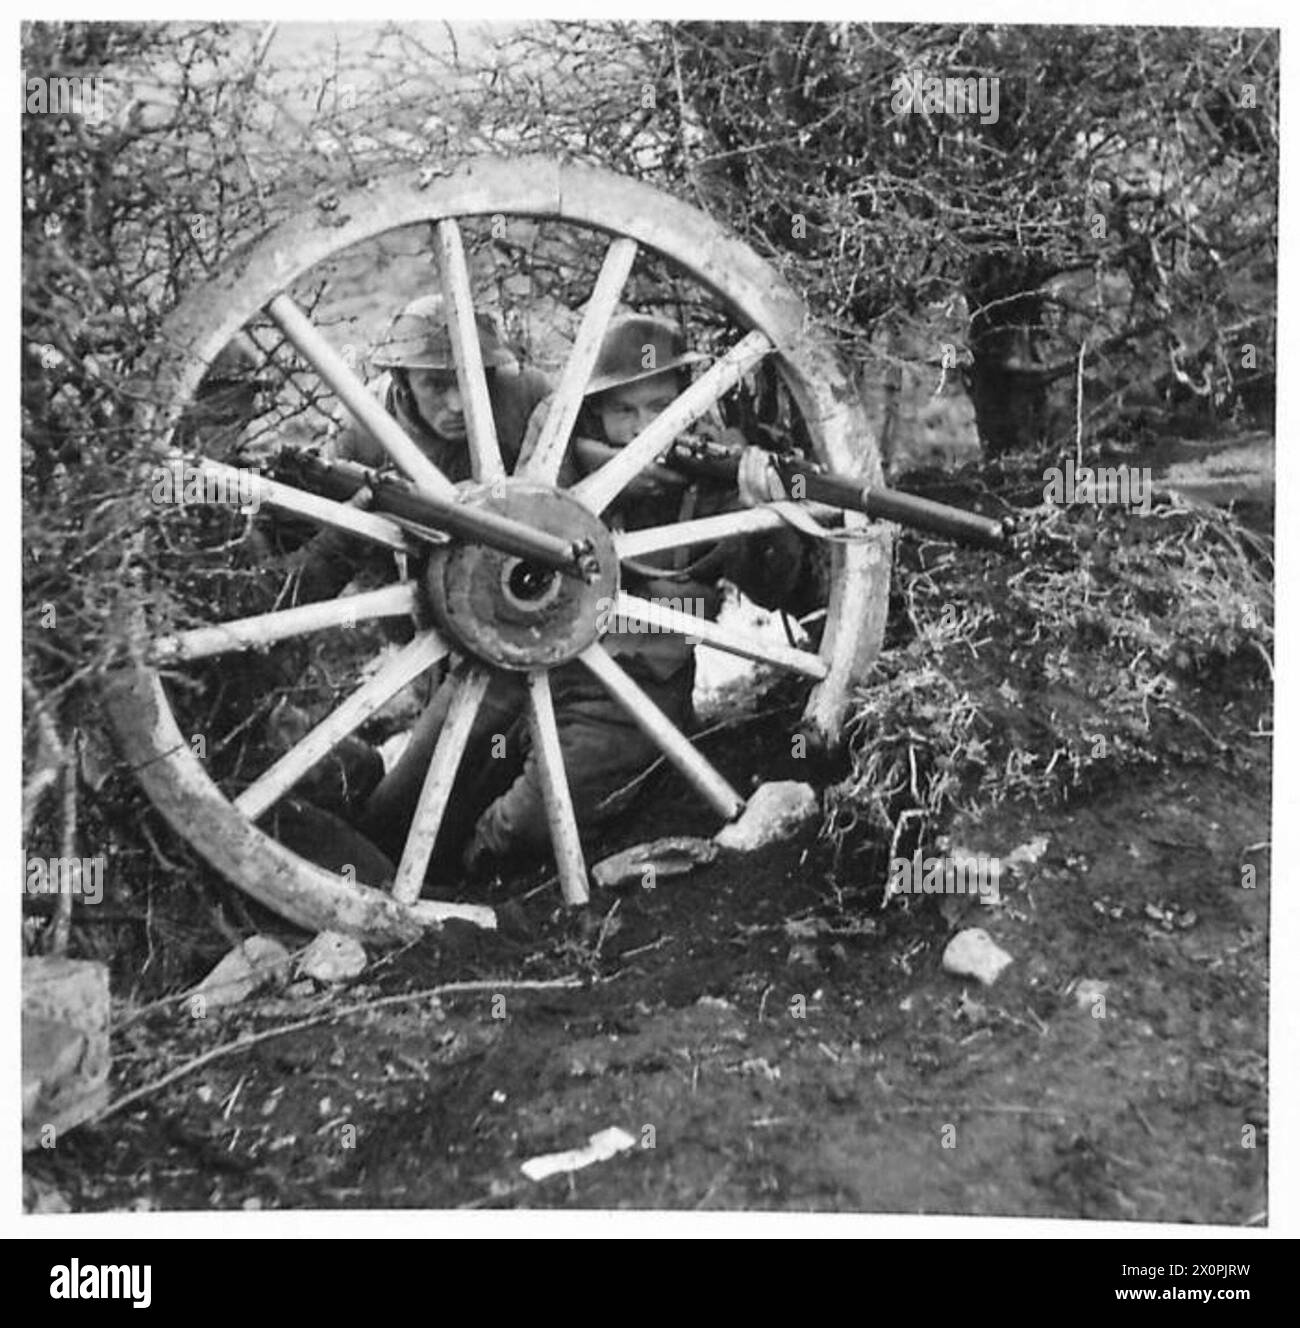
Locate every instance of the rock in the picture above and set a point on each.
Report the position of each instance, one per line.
(66, 1055)
(333, 957)
(674, 856)
(773, 813)
(241, 972)
(973, 954)
(51, 1053)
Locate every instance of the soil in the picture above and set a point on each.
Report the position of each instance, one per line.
(768, 1032)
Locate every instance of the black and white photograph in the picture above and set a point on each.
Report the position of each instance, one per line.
(650, 616)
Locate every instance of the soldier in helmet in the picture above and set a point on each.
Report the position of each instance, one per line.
(227, 401)
(643, 366)
(420, 390)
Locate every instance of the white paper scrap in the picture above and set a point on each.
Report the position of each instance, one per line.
(600, 1148)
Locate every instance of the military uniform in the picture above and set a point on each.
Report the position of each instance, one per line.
(333, 557)
(499, 791)
(497, 800)
(416, 340)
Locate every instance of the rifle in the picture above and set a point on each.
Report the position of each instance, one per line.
(803, 479)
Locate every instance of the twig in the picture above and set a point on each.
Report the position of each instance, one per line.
(606, 925)
(997, 1108)
(1178, 710)
(643, 949)
(62, 925)
(1141, 1118)
(547, 884)
(1078, 406)
(1264, 655)
(163, 860)
(252, 1039)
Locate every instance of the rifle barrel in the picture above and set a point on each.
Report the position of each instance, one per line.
(893, 505)
(341, 479)
(396, 498)
(877, 501)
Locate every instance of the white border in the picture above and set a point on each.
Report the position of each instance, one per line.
(1284, 1041)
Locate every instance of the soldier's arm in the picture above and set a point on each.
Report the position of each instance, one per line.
(654, 481)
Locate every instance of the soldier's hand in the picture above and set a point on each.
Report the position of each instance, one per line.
(729, 439)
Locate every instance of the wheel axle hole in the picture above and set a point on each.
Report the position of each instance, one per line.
(528, 583)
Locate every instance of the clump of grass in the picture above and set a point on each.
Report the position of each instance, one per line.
(1116, 640)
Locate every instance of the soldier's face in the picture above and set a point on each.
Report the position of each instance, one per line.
(625, 411)
(437, 398)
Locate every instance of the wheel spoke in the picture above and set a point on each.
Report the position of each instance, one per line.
(438, 783)
(671, 740)
(231, 486)
(407, 665)
(555, 791)
(544, 463)
(266, 628)
(598, 207)
(312, 345)
(597, 490)
(484, 450)
(711, 529)
(648, 613)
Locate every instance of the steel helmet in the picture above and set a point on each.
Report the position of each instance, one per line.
(639, 346)
(418, 339)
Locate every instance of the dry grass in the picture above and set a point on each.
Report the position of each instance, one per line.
(1118, 640)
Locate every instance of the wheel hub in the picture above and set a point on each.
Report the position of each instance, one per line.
(507, 612)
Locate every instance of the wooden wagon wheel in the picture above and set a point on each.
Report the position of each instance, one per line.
(635, 217)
